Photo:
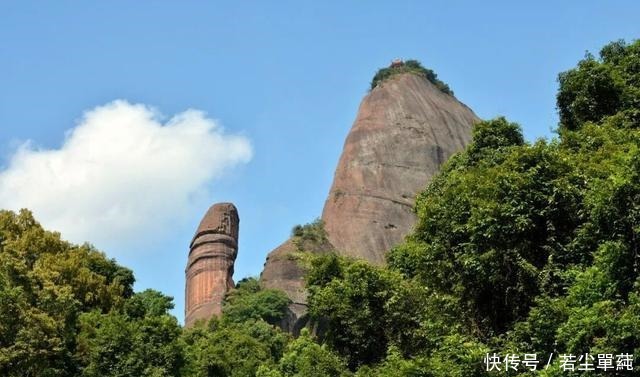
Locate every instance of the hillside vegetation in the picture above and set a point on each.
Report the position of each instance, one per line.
(413, 67)
(519, 248)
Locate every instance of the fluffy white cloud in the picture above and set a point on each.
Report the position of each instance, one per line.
(121, 172)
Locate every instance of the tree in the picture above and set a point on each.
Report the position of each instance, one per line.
(248, 301)
(597, 88)
(141, 340)
(305, 358)
(489, 224)
(231, 349)
(353, 307)
(45, 285)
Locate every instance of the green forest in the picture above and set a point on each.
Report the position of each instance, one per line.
(520, 248)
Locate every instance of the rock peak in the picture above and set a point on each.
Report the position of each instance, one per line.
(212, 254)
(406, 128)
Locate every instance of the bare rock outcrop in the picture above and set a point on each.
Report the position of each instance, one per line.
(285, 270)
(209, 272)
(405, 129)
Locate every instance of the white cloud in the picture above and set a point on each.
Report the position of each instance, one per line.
(121, 173)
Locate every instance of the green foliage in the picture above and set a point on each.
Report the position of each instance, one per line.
(538, 242)
(601, 87)
(309, 239)
(367, 309)
(248, 301)
(148, 303)
(243, 339)
(353, 307)
(324, 269)
(305, 358)
(492, 137)
(488, 229)
(458, 357)
(232, 349)
(413, 67)
(66, 310)
(313, 231)
(45, 286)
(142, 340)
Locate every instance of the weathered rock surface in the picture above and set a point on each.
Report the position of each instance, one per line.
(285, 270)
(209, 272)
(405, 129)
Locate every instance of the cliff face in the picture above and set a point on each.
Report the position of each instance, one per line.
(209, 272)
(405, 129)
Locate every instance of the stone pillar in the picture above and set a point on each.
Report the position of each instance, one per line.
(209, 272)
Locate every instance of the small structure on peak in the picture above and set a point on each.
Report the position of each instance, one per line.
(209, 271)
(397, 63)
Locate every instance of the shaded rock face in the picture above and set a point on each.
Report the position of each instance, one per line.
(285, 271)
(405, 129)
(209, 272)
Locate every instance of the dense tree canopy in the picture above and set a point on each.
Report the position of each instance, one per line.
(67, 310)
(598, 88)
(250, 302)
(46, 284)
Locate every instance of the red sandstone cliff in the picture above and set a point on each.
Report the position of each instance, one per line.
(283, 270)
(209, 272)
(405, 129)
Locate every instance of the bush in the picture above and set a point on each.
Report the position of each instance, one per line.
(310, 232)
(410, 66)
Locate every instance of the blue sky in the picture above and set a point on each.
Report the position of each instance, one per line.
(254, 98)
